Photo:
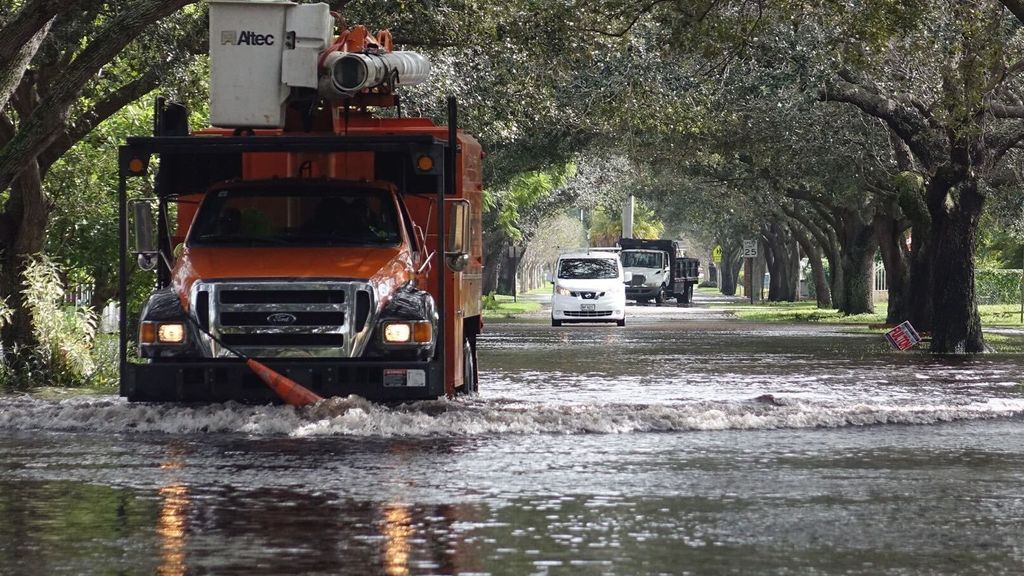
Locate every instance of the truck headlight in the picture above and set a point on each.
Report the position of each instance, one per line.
(407, 332)
(171, 333)
(162, 333)
(562, 291)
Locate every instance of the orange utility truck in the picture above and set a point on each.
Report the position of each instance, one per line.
(313, 228)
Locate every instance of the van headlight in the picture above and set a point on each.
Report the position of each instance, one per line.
(562, 291)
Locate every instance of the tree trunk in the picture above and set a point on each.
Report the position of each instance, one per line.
(27, 212)
(858, 266)
(895, 258)
(757, 277)
(14, 60)
(822, 293)
(955, 206)
(507, 275)
(730, 270)
(493, 250)
(837, 276)
(782, 257)
(921, 310)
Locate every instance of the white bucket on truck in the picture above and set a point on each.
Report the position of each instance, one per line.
(258, 50)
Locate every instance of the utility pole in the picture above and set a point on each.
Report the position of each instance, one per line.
(514, 253)
(627, 217)
(749, 253)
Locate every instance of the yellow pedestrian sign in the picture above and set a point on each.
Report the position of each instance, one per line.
(716, 254)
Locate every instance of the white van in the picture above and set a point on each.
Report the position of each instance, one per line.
(589, 287)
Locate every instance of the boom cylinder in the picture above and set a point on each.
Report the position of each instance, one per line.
(349, 72)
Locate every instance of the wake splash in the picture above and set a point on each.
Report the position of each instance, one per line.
(354, 416)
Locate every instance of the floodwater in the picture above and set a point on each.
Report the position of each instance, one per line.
(683, 443)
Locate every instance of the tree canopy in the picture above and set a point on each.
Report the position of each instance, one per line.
(826, 129)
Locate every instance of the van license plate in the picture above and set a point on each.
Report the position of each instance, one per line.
(588, 307)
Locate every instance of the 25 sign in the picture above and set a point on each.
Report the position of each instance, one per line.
(750, 248)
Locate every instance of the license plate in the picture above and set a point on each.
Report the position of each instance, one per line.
(588, 307)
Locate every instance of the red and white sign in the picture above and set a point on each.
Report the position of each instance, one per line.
(903, 336)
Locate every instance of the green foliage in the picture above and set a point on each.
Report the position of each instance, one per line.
(519, 205)
(65, 337)
(606, 225)
(65, 334)
(490, 301)
(82, 235)
(5, 312)
(997, 286)
(999, 241)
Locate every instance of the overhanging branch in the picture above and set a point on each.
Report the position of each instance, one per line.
(37, 131)
(905, 121)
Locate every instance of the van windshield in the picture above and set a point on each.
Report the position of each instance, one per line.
(587, 268)
(637, 259)
(296, 217)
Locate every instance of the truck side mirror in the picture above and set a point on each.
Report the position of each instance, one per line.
(457, 243)
(144, 240)
(627, 277)
(549, 277)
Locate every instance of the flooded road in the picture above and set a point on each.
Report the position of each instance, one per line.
(683, 443)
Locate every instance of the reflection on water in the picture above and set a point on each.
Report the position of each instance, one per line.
(880, 500)
(171, 527)
(648, 450)
(173, 516)
(397, 532)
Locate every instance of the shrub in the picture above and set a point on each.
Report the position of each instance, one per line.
(490, 302)
(65, 334)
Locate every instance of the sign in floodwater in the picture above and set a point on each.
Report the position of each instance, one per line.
(684, 442)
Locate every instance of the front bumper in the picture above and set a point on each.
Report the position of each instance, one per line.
(570, 309)
(224, 380)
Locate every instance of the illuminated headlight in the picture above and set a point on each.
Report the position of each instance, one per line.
(171, 333)
(407, 332)
(162, 333)
(562, 291)
(397, 333)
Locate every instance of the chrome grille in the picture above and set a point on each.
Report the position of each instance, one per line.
(283, 319)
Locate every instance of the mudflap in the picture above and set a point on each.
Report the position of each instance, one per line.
(231, 380)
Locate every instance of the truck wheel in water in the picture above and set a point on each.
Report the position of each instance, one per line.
(469, 383)
(621, 322)
(659, 298)
(556, 322)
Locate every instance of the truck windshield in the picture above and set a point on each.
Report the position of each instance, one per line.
(635, 259)
(303, 217)
(587, 268)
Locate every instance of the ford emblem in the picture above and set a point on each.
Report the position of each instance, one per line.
(281, 318)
